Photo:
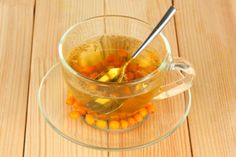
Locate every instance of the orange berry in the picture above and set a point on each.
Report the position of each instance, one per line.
(132, 121)
(89, 119)
(86, 70)
(143, 112)
(81, 110)
(70, 100)
(124, 124)
(101, 124)
(130, 76)
(148, 104)
(122, 53)
(99, 66)
(118, 63)
(151, 108)
(93, 113)
(130, 114)
(110, 58)
(138, 74)
(132, 67)
(93, 75)
(77, 103)
(114, 124)
(84, 74)
(76, 67)
(74, 114)
(138, 117)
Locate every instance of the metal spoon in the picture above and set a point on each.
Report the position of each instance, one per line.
(120, 72)
(107, 106)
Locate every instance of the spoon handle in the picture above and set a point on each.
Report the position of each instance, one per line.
(165, 19)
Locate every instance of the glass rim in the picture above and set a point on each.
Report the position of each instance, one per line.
(136, 81)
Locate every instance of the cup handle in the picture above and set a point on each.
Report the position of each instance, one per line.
(179, 86)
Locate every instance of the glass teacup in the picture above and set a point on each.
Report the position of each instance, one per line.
(130, 96)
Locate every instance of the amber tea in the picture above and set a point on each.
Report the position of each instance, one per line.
(94, 57)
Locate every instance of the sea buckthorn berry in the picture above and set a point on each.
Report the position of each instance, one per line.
(76, 104)
(132, 67)
(93, 113)
(93, 75)
(138, 117)
(74, 114)
(76, 67)
(132, 121)
(122, 53)
(88, 69)
(118, 63)
(151, 108)
(70, 100)
(81, 110)
(89, 119)
(100, 66)
(101, 124)
(143, 112)
(130, 76)
(124, 124)
(113, 124)
(110, 58)
(138, 74)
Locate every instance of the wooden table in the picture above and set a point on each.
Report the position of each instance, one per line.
(203, 32)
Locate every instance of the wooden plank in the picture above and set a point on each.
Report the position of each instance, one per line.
(207, 37)
(18, 3)
(52, 19)
(177, 144)
(16, 22)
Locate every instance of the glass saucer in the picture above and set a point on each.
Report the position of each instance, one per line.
(169, 116)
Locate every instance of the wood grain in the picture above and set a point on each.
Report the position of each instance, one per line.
(207, 37)
(151, 11)
(52, 18)
(16, 23)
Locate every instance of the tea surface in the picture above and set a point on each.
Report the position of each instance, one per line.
(96, 56)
